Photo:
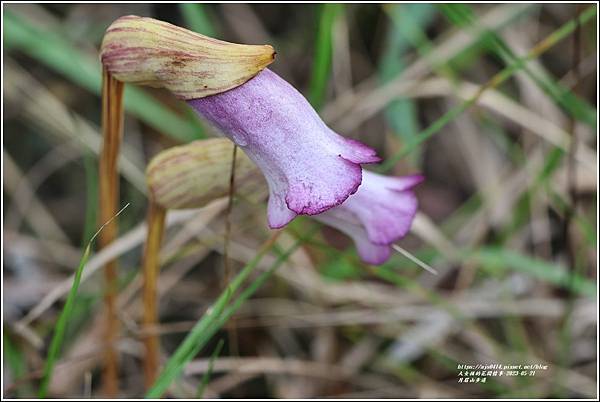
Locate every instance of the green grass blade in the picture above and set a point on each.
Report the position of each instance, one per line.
(463, 16)
(498, 259)
(424, 135)
(189, 347)
(65, 315)
(209, 324)
(498, 79)
(206, 376)
(194, 339)
(60, 55)
(197, 19)
(15, 360)
(249, 291)
(61, 325)
(401, 114)
(261, 279)
(323, 50)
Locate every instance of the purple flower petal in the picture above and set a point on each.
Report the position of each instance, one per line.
(380, 213)
(309, 168)
(369, 252)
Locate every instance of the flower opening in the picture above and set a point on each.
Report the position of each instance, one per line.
(380, 213)
(309, 168)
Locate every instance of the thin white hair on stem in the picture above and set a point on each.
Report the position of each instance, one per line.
(414, 259)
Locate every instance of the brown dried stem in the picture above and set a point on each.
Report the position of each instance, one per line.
(112, 129)
(151, 268)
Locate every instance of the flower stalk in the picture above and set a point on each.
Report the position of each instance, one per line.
(112, 131)
(151, 269)
(149, 52)
(188, 176)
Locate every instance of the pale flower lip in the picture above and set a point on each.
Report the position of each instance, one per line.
(309, 168)
(380, 213)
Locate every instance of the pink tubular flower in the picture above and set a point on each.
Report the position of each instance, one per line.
(380, 213)
(308, 167)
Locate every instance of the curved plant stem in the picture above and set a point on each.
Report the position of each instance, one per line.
(112, 129)
(151, 268)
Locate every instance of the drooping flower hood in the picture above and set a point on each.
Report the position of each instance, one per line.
(380, 213)
(146, 51)
(309, 168)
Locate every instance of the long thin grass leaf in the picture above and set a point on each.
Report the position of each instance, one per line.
(498, 259)
(15, 360)
(206, 376)
(197, 19)
(195, 338)
(496, 80)
(463, 16)
(401, 114)
(65, 315)
(59, 54)
(323, 50)
(185, 351)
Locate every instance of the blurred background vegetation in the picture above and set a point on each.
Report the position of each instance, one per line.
(507, 217)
